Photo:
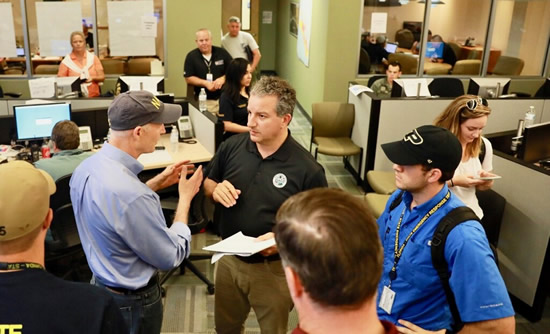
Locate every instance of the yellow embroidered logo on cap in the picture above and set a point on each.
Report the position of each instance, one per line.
(155, 102)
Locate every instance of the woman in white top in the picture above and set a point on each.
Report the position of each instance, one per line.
(466, 117)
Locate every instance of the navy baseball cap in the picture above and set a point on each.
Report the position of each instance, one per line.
(426, 145)
(136, 108)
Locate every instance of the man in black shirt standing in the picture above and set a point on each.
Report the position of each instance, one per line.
(251, 175)
(32, 300)
(205, 67)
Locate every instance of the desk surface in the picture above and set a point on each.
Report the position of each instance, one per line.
(196, 153)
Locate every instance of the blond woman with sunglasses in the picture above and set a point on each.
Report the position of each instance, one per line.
(466, 117)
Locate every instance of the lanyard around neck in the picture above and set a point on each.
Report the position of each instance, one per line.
(20, 265)
(207, 62)
(398, 251)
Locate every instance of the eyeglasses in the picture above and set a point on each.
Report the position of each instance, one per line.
(473, 103)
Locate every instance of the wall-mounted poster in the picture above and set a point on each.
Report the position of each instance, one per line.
(304, 31)
(294, 15)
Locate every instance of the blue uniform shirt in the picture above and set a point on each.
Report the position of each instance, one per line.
(120, 221)
(419, 296)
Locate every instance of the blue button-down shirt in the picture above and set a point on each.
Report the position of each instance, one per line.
(419, 296)
(120, 221)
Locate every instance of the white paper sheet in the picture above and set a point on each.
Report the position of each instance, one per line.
(358, 89)
(125, 28)
(156, 157)
(42, 87)
(378, 23)
(7, 32)
(55, 23)
(238, 244)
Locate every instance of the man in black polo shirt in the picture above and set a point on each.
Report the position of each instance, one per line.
(251, 175)
(205, 67)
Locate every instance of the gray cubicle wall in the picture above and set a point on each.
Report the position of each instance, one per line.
(524, 233)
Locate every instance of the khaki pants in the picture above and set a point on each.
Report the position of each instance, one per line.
(241, 285)
(213, 107)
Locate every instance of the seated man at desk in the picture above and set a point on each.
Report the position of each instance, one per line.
(66, 154)
(205, 67)
(449, 56)
(383, 86)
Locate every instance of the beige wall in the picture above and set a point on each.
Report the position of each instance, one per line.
(184, 18)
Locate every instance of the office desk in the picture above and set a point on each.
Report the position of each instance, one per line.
(494, 54)
(196, 153)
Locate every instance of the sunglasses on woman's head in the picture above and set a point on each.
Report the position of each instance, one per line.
(473, 103)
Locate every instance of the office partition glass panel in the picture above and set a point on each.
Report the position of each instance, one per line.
(391, 29)
(458, 31)
(521, 32)
(12, 50)
(131, 36)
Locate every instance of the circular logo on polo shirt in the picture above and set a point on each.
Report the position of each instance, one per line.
(279, 180)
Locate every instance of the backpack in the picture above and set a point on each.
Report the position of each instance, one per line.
(446, 224)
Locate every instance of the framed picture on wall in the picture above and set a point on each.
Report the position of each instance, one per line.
(294, 15)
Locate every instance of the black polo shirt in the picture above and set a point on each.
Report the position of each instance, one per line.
(264, 183)
(236, 113)
(197, 66)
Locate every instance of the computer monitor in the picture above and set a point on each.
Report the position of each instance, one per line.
(411, 87)
(37, 121)
(67, 85)
(535, 145)
(488, 87)
(391, 47)
(434, 50)
(20, 52)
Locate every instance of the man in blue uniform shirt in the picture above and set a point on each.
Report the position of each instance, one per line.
(410, 291)
(119, 218)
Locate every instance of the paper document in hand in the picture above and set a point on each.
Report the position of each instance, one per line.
(240, 244)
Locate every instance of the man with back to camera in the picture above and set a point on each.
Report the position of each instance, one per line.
(449, 56)
(383, 86)
(332, 259)
(32, 300)
(119, 218)
(236, 40)
(66, 154)
(410, 291)
(251, 175)
(205, 67)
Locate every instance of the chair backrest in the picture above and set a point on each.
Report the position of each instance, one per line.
(508, 66)
(446, 87)
(364, 62)
(46, 69)
(467, 66)
(409, 63)
(139, 66)
(456, 49)
(113, 66)
(404, 38)
(63, 228)
(332, 119)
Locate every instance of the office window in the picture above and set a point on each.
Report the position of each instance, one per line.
(12, 52)
(394, 25)
(462, 26)
(521, 32)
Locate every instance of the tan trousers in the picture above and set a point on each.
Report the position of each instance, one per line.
(241, 285)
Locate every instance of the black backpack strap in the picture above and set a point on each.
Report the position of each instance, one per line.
(397, 200)
(452, 219)
(482, 151)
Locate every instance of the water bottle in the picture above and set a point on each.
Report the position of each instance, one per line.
(202, 100)
(174, 139)
(530, 116)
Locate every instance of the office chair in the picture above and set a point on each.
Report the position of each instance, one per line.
(199, 217)
(446, 87)
(364, 62)
(65, 248)
(113, 66)
(376, 203)
(508, 66)
(467, 66)
(404, 38)
(46, 69)
(381, 181)
(409, 63)
(456, 49)
(332, 123)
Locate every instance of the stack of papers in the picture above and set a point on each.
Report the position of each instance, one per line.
(238, 244)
